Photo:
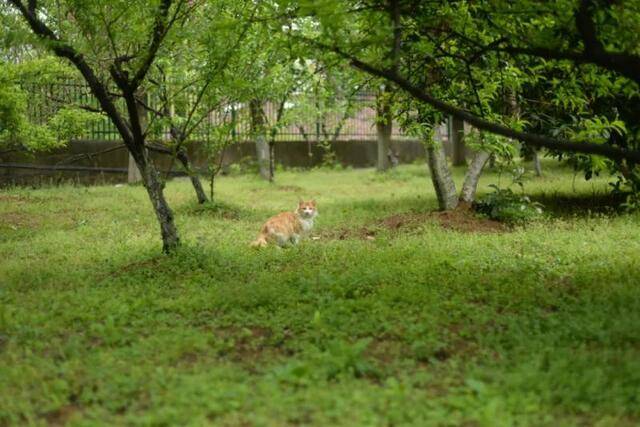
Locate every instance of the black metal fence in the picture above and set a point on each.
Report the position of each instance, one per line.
(314, 125)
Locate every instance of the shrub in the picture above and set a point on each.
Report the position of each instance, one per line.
(505, 205)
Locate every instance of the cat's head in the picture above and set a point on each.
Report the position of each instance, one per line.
(307, 209)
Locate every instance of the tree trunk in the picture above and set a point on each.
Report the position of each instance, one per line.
(154, 187)
(470, 185)
(536, 163)
(456, 137)
(212, 179)
(272, 160)
(441, 176)
(131, 131)
(259, 132)
(384, 127)
(133, 173)
(193, 176)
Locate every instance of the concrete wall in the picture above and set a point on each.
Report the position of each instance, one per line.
(112, 165)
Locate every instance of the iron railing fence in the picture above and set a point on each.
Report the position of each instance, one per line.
(305, 118)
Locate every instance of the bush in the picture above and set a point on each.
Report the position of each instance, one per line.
(629, 188)
(506, 206)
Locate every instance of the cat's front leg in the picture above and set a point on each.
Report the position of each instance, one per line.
(295, 238)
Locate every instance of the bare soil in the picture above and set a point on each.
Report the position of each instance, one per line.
(462, 220)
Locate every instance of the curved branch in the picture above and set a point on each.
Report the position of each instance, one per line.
(160, 29)
(64, 50)
(622, 63)
(532, 139)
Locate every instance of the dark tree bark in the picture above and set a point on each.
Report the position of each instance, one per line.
(193, 176)
(272, 160)
(155, 186)
(183, 157)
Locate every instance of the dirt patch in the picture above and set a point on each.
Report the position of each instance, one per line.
(405, 221)
(4, 339)
(462, 220)
(16, 220)
(10, 198)
(250, 344)
(139, 265)
(466, 221)
(293, 188)
(214, 210)
(60, 416)
(386, 350)
(148, 264)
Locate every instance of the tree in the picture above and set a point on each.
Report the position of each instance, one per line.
(194, 79)
(384, 126)
(20, 129)
(84, 33)
(324, 100)
(116, 47)
(277, 72)
(259, 132)
(577, 74)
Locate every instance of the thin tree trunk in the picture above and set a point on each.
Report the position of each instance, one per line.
(258, 129)
(456, 136)
(154, 187)
(470, 185)
(536, 163)
(133, 173)
(193, 176)
(272, 160)
(384, 127)
(183, 157)
(212, 179)
(441, 176)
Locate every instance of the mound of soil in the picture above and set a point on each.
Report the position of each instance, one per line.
(466, 221)
(463, 220)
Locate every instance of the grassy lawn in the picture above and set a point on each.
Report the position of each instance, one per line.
(418, 325)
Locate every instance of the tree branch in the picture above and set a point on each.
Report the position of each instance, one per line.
(160, 30)
(535, 140)
(64, 50)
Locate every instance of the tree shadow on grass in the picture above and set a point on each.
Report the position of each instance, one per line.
(213, 209)
(580, 205)
(376, 208)
(186, 262)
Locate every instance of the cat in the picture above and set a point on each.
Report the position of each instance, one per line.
(287, 227)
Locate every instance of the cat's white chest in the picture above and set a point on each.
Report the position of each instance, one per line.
(307, 224)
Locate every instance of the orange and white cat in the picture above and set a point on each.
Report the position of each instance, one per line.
(287, 227)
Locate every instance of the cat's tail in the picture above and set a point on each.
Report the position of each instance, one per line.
(260, 242)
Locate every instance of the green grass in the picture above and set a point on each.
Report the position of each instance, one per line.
(538, 326)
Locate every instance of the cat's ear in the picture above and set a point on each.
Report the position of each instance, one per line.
(313, 202)
(300, 202)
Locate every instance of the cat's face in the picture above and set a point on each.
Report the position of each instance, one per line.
(307, 209)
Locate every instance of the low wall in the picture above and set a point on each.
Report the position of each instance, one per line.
(87, 162)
